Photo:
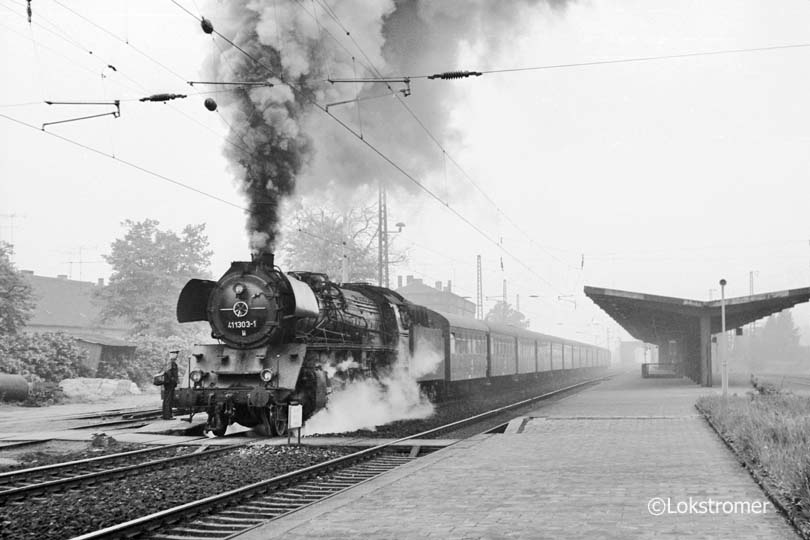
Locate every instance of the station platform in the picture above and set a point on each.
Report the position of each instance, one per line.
(627, 458)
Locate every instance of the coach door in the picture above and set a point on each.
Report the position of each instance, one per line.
(426, 361)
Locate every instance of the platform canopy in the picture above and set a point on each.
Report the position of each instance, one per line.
(663, 319)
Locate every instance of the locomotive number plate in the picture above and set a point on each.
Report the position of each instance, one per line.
(242, 324)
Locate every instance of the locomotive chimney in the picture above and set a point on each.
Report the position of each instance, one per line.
(264, 258)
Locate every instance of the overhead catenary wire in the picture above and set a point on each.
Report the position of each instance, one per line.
(372, 147)
(452, 75)
(428, 132)
(136, 83)
(125, 162)
(446, 75)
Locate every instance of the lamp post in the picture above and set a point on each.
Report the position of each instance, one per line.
(722, 348)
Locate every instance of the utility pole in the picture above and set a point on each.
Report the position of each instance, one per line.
(517, 302)
(479, 293)
(722, 345)
(504, 293)
(344, 262)
(383, 239)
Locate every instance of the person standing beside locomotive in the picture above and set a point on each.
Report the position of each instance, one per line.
(170, 379)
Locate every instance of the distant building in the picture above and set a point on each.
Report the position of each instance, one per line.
(65, 305)
(439, 298)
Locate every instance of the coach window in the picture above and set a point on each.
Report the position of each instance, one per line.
(452, 343)
(461, 346)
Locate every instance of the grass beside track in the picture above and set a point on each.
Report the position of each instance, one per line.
(770, 433)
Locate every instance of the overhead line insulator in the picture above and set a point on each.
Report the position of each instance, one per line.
(162, 97)
(455, 75)
(207, 25)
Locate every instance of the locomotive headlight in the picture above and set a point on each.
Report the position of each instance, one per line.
(238, 288)
(266, 375)
(196, 376)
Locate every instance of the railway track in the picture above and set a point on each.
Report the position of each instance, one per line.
(23, 483)
(226, 514)
(13, 445)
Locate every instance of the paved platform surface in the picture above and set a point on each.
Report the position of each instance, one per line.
(586, 466)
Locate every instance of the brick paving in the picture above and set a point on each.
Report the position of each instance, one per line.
(585, 466)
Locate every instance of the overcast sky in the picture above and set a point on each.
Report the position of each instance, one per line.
(659, 176)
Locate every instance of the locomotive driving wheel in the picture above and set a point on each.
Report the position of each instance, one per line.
(217, 425)
(279, 423)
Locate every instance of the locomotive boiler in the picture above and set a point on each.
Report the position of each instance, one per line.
(283, 338)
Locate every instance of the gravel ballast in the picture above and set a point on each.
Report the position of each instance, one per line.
(91, 508)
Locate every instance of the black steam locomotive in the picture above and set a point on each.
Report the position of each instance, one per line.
(282, 337)
(286, 338)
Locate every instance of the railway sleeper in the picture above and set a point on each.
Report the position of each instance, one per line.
(259, 504)
(288, 504)
(221, 527)
(242, 514)
(287, 496)
(308, 490)
(281, 506)
(354, 478)
(256, 518)
(255, 506)
(187, 531)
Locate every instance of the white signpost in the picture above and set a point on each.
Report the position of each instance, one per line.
(295, 420)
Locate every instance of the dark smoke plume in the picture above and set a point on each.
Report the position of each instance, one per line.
(278, 137)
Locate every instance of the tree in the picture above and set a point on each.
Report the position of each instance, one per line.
(774, 346)
(150, 267)
(503, 313)
(16, 301)
(778, 341)
(314, 240)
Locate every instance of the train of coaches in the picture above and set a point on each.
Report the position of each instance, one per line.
(289, 338)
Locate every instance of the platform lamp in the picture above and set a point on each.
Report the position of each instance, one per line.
(722, 348)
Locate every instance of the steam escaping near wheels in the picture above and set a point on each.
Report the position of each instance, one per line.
(369, 402)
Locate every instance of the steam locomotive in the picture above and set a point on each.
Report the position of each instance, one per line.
(287, 338)
(280, 337)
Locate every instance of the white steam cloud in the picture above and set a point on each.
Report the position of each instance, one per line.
(368, 403)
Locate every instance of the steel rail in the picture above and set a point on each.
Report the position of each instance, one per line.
(20, 444)
(188, 511)
(61, 483)
(80, 462)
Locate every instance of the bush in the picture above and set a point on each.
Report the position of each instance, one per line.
(151, 356)
(48, 357)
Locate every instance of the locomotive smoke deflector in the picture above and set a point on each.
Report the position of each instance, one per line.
(191, 305)
(306, 305)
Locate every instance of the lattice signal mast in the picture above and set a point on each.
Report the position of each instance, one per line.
(383, 239)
